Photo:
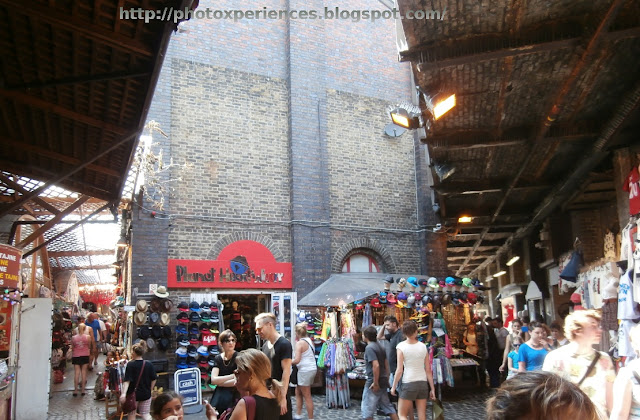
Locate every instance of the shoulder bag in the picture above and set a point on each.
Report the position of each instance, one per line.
(590, 368)
(249, 401)
(130, 403)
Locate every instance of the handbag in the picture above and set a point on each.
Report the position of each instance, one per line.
(438, 410)
(293, 379)
(130, 403)
(251, 409)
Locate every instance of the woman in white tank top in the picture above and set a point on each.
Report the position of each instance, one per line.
(305, 361)
(414, 368)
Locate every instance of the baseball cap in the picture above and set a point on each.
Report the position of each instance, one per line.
(192, 362)
(194, 306)
(193, 328)
(213, 350)
(183, 306)
(181, 329)
(213, 307)
(194, 339)
(211, 360)
(182, 317)
(203, 351)
(194, 317)
(204, 316)
(204, 306)
(204, 328)
(182, 364)
(191, 351)
(183, 340)
(181, 351)
(203, 363)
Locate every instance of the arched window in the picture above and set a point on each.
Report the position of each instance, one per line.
(360, 263)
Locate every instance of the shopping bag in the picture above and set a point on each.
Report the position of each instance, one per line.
(438, 410)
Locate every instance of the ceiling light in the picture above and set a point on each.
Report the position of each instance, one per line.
(444, 170)
(500, 273)
(444, 106)
(465, 219)
(513, 260)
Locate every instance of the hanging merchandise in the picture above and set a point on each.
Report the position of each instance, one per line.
(347, 323)
(631, 186)
(366, 317)
(337, 357)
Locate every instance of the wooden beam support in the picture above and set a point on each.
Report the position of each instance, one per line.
(80, 79)
(53, 108)
(73, 24)
(16, 204)
(40, 151)
(86, 267)
(19, 188)
(53, 221)
(67, 230)
(56, 254)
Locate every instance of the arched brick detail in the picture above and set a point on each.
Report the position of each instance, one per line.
(244, 236)
(362, 245)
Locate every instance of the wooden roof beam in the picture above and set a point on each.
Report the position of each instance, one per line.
(19, 188)
(81, 26)
(469, 190)
(56, 254)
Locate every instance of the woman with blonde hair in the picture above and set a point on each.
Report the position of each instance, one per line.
(305, 361)
(139, 378)
(580, 363)
(253, 377)
(626, 388)
(540, 396)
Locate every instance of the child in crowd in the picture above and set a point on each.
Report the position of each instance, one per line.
(513, 358)
(111, 358)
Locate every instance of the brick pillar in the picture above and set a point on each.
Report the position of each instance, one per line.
(311, 241)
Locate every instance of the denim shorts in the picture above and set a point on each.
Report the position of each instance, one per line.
(372, 399)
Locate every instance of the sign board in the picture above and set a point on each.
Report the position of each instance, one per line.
(129, 308)
(187, 384)
(10, 266)
(152, 288)
(209, 340)
(240, 265)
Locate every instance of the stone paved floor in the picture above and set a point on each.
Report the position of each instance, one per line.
(459, 404)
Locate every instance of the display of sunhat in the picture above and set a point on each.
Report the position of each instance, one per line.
(140, 318)
(151, 344)
(401, 283)
(166, 331)
(166, 305)
(422, 283)
(144, 332)
(154, 317)
(183, 340)
(164, 319)
(141, 305)
(413, 283)
(156, 331)
(387, 282)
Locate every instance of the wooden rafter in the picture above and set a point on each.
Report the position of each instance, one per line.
(53, 221)
(18, 188)
(56, 254)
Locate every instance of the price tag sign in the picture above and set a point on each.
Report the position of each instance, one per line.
(129, 308)
(209, 340)
(187, 384)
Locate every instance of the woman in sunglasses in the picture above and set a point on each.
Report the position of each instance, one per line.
(222, 373)
(513, 357)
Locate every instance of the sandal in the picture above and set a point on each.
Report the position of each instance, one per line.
(83, 394)
(75, 394)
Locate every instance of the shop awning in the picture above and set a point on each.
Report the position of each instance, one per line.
(344, 288)
(533, 291)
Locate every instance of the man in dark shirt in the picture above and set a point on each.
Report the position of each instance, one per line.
(377, 371)
(278, 349)
(393, 334)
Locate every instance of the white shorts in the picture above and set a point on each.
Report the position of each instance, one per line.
(305, 378)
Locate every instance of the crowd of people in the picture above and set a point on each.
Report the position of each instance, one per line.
(88, 341)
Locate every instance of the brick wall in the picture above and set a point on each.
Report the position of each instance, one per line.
(282, 123)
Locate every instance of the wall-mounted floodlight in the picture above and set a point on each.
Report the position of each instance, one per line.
(465, 219)
(444, 170)
(444, 106)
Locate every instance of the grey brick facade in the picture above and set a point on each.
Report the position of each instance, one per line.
(281, 123)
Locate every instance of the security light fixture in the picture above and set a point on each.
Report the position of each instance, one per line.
(513, 260)
(444, 106)
(444, 170)
(500, 273)
(465, 219)
(406, 115)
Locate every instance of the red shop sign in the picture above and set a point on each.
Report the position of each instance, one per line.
(10, 266)
(241, 265)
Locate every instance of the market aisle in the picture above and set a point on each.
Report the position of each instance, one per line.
(469, 404)
(63, 405)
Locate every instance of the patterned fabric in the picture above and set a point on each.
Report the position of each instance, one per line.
(572, 366)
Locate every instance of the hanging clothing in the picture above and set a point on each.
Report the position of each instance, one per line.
(626, 303)
(631, 186)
